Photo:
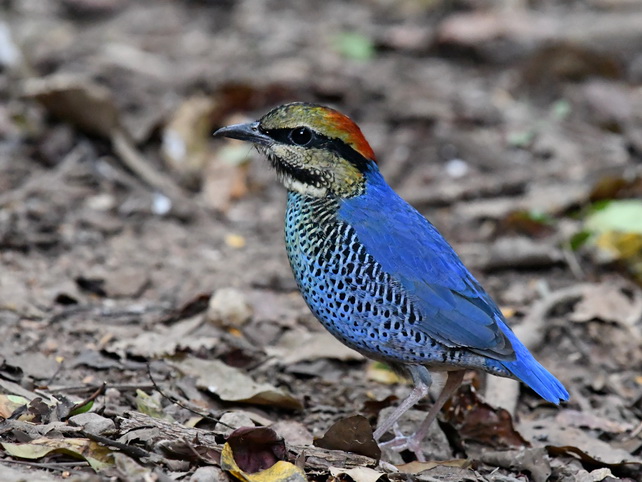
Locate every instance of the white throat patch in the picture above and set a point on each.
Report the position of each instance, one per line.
(306, 189)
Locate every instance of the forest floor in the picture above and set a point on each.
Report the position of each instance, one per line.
(147, 307)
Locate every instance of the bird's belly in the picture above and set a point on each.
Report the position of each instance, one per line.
(355, 300)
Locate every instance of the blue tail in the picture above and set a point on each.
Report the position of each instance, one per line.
(529, 371)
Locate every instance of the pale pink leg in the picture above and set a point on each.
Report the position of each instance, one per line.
(413, 442)
(419, 392)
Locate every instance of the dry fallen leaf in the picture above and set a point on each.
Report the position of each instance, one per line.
(232, 385)
(608, 302)
(96, 455)
(258, 455)
(416, 467)
(478, 422)
(382, 373)
(226, 175)
(352, 434)
(358, 474)
(534, 461)
(10, 403)
(302, 345)
(562, 439)
(575, 418)
(166, 340)
(77, 100)
(186, 138)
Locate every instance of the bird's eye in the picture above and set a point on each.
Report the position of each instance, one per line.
(301, 136)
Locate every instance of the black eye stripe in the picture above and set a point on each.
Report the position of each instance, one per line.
(319, 141)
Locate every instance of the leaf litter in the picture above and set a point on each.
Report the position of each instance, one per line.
(119, 217)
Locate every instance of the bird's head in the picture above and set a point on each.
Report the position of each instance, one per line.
(315, 150)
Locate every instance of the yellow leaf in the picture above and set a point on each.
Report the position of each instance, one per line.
(280, 472)
(235, 241)
(96, 455)
(379, 372)
(621, 245)
(10, 403)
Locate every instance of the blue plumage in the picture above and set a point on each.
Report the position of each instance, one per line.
(375, 272)
(416, 282)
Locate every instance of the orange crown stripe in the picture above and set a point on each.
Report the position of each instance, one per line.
(345, 129)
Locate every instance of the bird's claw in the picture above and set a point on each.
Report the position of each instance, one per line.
(402, 442)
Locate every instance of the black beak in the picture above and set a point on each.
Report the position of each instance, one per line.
(245, 132)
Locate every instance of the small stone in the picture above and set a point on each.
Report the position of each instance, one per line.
(206, 474)
(93, 423)
(127, 281)
(229, 308)
(230, 421)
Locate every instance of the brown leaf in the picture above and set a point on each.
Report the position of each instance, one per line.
(610, 303)
(478, 422)
(358, 474)
(9, 372)
(226, 176)
(352, 434)
(532, 460)
(303, 345)
(85, 104)
(10, 403)
(522, 222)
(233, 385)
(190, 308)
(561, 439)
(256, 449)
(575, 418)
(186, 138)
(416, 467)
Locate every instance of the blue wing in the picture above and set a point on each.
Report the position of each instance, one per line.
(457, 311)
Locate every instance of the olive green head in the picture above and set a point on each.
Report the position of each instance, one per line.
(315, 150)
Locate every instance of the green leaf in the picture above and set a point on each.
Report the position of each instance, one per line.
(150, 405)
(354, 46)
(95, 454)
(521, 139)
(579, 239)
(539, 216)
(82, 409)
(623, 216)
(561, 109)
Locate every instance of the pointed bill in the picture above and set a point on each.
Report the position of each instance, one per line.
(245, 132)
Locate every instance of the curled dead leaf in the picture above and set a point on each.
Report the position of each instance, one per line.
(258, 455)
(79, 101)
(352, 434)
(358, 474)
(416, 467)
(232, 385)
(478, 422)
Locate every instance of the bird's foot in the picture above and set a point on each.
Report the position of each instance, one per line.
(402, 442)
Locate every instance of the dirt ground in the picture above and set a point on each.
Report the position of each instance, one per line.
(147, 308)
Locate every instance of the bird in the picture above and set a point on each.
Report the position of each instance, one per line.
(375, 272)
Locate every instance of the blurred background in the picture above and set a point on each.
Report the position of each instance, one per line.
(515, 126)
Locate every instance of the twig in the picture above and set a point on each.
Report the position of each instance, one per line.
(316, 458)
(62, 466)
(84, 388)
(37, 183)
(181, 404)
(131, 450)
